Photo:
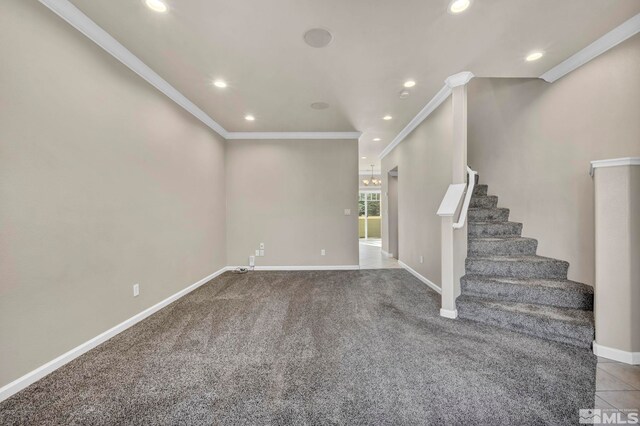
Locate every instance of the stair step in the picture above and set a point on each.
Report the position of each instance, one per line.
(501, 246)
(494, 229)
(480, 189)
(518, 267)
(559, 293)
(488, 215)
(572, 326)
(484, 201)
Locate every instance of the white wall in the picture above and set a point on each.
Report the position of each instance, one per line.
(291, 195)
(532, 142)
(104, 182)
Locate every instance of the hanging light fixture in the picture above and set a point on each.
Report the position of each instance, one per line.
(372, 180)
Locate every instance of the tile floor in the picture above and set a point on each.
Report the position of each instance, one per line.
(617, 386)
(371, 256)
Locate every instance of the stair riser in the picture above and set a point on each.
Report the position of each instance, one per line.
(480, 190)
(488, 202)
(545, 328)
(502, 247)
(517, 269)
(528, 294)
(497, 229)
(488, 215)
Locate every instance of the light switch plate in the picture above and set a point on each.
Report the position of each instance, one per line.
(347, 212)
(136, 290)
(261, 252)
(322, 252)
(257, 252)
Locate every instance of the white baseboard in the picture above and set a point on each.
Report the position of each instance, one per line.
(303, 268)
(420, 277)
(448, 313)
(616, 354)
(40, 372)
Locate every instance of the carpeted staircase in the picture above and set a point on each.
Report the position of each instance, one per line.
(508, 285)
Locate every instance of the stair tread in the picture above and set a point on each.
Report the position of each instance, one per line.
(567, 315)
(500, 238)
(518, 258)
(541, 282)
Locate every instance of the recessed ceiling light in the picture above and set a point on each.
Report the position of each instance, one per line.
(534, 56)
(220, 83)
(249, 117)
(387, 117)
(364, 158)
(156, 5)
(409, 83)
(317, 37)
(404, 94)
(376, 139)
(319, 105)
(458, 6)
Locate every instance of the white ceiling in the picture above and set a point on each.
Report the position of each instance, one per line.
(257, 47)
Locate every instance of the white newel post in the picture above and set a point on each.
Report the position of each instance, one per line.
(454, 240)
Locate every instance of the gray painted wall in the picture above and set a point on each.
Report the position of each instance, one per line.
(104, 182)
(291, 195)
(532, 142)
(423, 179)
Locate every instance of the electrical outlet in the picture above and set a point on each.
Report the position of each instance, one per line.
(261, 252)
(261, 246)
(421, 259)
(322, 252)
(257, 252)
(252, 261)
(136, 290)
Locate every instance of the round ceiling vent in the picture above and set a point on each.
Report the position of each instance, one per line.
(317, 37)
(319, 105)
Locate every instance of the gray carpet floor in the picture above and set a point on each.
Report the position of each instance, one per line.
(318, 347)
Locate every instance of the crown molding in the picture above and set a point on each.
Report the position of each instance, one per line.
(292, 135)
(459, 79)
(95, 33)
(455, 80)
(613, 162)
(81, 22)
(611, 39)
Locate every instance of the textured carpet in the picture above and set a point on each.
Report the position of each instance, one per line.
(325, 347)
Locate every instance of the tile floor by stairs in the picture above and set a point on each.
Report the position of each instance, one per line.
(371, 256)
(617, 386)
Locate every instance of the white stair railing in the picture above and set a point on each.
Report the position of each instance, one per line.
(453, 244)
(471, 183)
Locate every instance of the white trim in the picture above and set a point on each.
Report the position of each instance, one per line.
(40, 372)
(616, 354)
(432, 105)
(614, 37)
(448, 313)
(613, 162)
(305, 268)
(292, 135)
(420, 277)
(74, 16)
(451, 199)
(459, 79)
(81, 22)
